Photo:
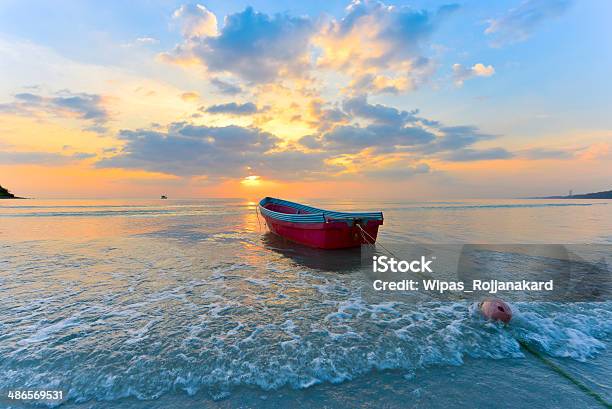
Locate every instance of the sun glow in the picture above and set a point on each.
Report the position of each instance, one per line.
(251, 181)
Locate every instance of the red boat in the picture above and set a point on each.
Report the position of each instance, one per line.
(319, 228)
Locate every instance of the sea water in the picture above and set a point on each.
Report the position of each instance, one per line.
(192, 303)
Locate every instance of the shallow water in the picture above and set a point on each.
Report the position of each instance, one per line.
(190, 303)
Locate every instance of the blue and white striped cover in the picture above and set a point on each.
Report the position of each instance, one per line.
(314, 215)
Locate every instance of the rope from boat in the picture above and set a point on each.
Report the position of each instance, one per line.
(365, 240)
(374, 240)
(565, 374)
(257, 214)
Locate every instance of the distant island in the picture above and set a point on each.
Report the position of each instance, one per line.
(5, 194)
(597, 195)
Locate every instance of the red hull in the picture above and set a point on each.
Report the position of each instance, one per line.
(329, 235)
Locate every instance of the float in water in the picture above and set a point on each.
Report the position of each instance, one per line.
(495, 309)
(319, 228)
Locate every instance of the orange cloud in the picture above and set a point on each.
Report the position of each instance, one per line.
(195, 20)
(596, 151)
(380, 47)
(461, 73)
(190, 96)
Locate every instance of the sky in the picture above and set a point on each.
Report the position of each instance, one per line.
(418, 100)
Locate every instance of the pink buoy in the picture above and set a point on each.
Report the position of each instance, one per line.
(496, 310)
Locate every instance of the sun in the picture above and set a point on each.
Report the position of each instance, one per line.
(252, 180)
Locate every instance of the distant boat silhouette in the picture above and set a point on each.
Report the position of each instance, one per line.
(164, 197)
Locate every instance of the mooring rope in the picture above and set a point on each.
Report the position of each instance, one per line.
(257, 214)
(565, 374)
(374, 240)
(363, 237)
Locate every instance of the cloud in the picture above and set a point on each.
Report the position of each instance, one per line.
(83, 155)
(41, 158)
(310, 142)
(225, 87)
(85, 106)
(190, 96)
(597, 151)
(373, 140)
(379, 84)
(141, 41)
(294, 165)
(254, 46)
(519, 23)
(88, 107)
(600, 150)
(470, 155)
(397, 172)
(353, 138)
(188, 150)
(217, 152)
(147, 40)
(326, 117)
(389, 130)
(195, 20)
(233, 108)
(543, 153)
(461, 73)
(382, 48)
(452, 138)
(359, 107)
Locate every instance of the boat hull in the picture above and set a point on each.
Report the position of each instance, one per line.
(328, 235)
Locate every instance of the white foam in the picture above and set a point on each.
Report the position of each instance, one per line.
(45, 332)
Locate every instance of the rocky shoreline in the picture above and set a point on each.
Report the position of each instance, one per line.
(5, 194)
